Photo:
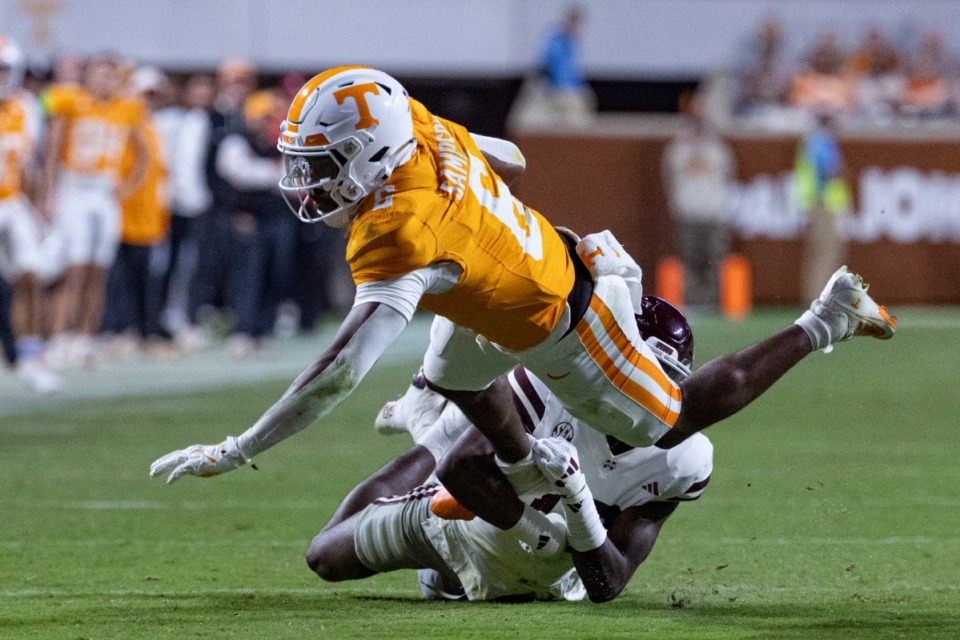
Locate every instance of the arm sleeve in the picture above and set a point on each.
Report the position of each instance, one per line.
(237, 164)
(404, 292)
(313, 395)
(502, 150)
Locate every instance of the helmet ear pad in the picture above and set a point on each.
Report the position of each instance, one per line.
(666, 330)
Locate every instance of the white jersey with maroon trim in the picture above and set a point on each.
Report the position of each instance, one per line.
(619, 476)
(492, 564)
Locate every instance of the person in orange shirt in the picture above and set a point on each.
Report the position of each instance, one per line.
(90, 128)
(134, 289)
(21, 257)
(431, 223)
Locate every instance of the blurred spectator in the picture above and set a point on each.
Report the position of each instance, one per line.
(925, 93)
(764, 82)
(824, 196)
(90, 128)
(186, 132)
(134, 295)
(289, 85)
(699, 171)
(569, 96)
(236, 80)
(264, 232)
(21, 258)
(822, 85)
(877, 71)
(68, 69)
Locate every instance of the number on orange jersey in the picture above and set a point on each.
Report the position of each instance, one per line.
(506, 208)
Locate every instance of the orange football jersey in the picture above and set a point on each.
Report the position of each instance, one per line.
(95, 132)
(15, 144)
(144, 215)
(446, 204)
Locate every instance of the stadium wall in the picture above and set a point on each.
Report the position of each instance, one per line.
(904, 230)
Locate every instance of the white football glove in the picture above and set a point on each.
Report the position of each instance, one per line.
(557, 460)
(201, 460)
(605, 256)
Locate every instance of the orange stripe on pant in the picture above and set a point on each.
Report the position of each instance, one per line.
(629, 352)
(622, 381)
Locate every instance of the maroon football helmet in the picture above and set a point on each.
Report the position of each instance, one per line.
(665, 329)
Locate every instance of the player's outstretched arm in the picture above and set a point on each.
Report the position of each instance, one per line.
(729, 383)
(365, 333)
(606, 570)
(605, 560)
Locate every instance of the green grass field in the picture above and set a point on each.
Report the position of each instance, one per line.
(833, 512)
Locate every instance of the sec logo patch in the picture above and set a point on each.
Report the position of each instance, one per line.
(563, 430)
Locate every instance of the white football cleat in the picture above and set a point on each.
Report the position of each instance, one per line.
(845, 310)
(414, 412)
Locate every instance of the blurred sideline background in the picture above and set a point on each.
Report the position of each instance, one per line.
(739, 149)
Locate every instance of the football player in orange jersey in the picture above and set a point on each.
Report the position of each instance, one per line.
(90, 127)
(21, 257)
(431, 224)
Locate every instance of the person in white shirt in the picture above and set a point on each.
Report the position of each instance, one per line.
(186, 132)
(699, 170)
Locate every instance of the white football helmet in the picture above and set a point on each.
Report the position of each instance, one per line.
(347, 130)
(13, 65)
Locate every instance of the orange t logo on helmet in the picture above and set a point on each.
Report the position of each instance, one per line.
(358, 93)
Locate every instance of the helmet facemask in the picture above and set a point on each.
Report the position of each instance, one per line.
(317, 184)
(669, 358)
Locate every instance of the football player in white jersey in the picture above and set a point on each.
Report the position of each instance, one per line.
(634, 491)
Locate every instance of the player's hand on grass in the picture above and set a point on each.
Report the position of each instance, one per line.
(201, 460)
(557, 460)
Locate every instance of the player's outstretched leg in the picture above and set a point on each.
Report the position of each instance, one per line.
(845, 310)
